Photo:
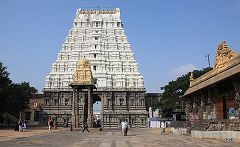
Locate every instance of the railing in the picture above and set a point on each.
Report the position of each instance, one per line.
(217, 125)
(98, 89)
(209, 125)
(180, 124)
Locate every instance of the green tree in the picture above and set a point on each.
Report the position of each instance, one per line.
(20, 96)
(5, 86)
(173, 90)
(13, 97)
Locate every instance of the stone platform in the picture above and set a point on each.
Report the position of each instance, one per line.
(233, 136)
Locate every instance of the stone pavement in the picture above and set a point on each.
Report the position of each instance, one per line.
(112, 138)
(10, 134)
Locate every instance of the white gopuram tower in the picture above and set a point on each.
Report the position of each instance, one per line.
(98, 36)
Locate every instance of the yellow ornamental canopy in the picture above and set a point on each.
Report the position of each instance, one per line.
(83, 74)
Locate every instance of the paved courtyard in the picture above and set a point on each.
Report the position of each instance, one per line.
(107, 138)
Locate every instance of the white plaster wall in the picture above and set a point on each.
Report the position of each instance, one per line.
(106, 47)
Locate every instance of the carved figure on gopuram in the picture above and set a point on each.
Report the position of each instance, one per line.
(224, 54)
(83, 74)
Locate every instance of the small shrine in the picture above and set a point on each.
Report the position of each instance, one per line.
(214, 96)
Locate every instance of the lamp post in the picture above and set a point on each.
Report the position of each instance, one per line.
(208, 55)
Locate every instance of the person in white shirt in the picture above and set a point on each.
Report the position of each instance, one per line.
(123, 124)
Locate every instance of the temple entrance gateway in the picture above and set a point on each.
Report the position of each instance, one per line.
(119, 83)
(97, 111)
(82, 81)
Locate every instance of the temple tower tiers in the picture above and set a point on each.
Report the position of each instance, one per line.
(98, 36)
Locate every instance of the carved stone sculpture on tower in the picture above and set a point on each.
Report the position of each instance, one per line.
(83, 74)
(224, 54)
(191, 78)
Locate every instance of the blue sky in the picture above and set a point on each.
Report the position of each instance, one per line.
(168, 37)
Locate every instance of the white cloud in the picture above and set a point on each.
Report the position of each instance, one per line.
(181, 70)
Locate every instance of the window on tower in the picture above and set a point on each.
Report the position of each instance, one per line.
(97, 24)
(94, 68)
(132, 102)
(119, 24)
(95, 55)
(95, 46)
(121, 102)
(55, 102)
(27, 115)
(36, 116)
(66, 102)
(46, 101)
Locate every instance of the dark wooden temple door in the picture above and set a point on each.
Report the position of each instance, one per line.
(221, 108)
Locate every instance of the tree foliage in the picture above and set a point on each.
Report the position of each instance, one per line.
(173, 90)
(14, 97)
(5, 86)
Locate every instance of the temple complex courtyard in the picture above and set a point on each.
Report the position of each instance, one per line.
(142, 66)
(144, 137)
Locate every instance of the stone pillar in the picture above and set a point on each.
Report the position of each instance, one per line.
(210, 103)
(237, 91)
(73, 108)
(215, 96)
(201, 109)
(21, 115)
(90, 106)
(75, 111)
(194, 105)
(103, 103)
(187, 108)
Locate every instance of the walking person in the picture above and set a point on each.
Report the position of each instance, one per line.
(163, 126)
(24, 125)
(20, 125)
(50, 125)
(85, 127)
(123, 124)
(126, 130)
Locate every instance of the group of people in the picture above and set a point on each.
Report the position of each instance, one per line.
(124, 125)
(21, 126)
